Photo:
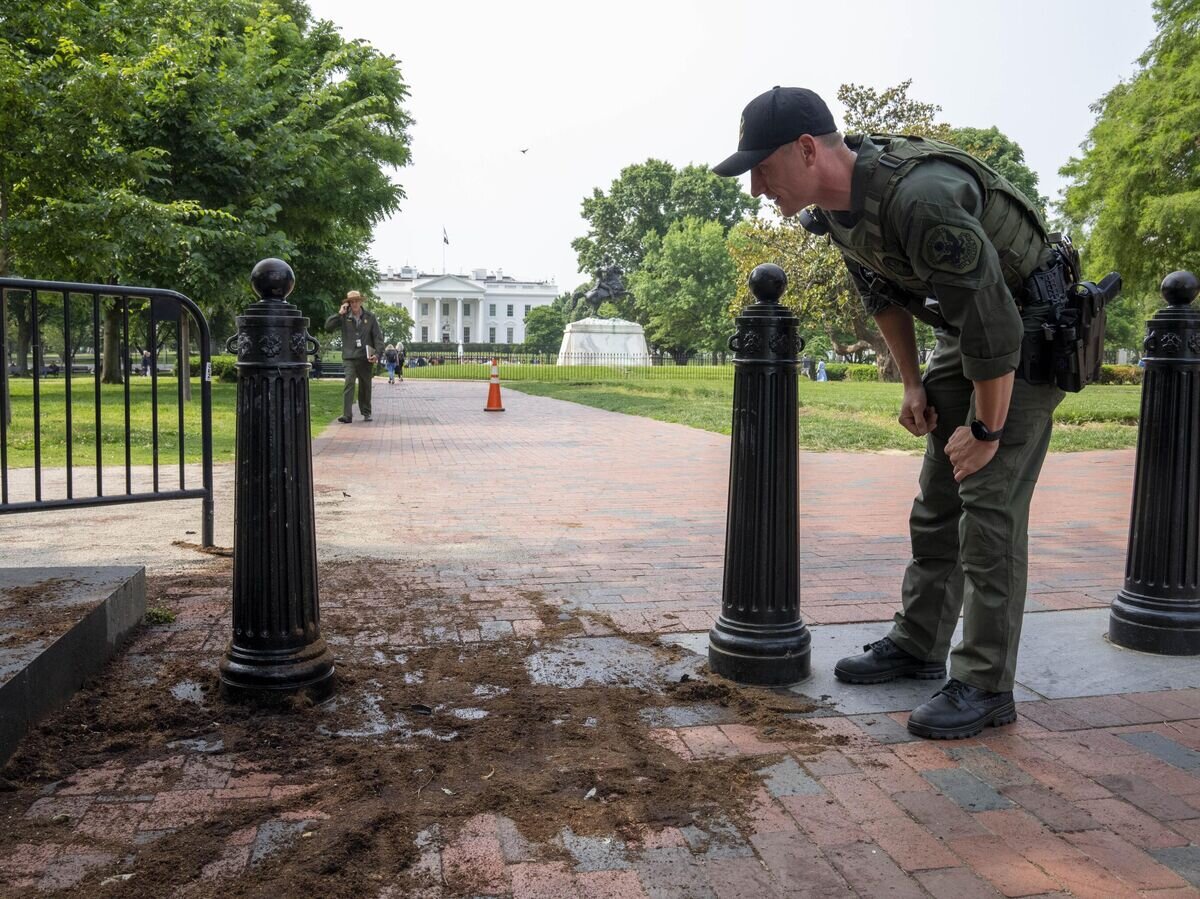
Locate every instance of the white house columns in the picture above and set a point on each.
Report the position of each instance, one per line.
(463, 305)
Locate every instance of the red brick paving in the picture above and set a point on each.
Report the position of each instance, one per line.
(625, 517)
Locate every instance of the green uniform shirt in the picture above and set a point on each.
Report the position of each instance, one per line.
(933, 245)
(358, 335)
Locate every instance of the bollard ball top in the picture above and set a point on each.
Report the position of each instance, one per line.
(1180, 288)
(767, 282)
(272, 279)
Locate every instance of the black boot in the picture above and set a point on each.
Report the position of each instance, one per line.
(883, 661)
(959, 710)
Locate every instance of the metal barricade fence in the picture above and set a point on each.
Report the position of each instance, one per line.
(79, 309)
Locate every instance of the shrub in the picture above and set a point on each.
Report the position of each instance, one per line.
(835, 371)
(224, 368)
(862, 373)
(1121, 374)
(851, 371)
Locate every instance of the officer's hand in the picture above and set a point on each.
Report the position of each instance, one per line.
(967, 454)
(917, 417)
(345, 308)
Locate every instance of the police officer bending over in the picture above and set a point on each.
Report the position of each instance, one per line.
(928, 231)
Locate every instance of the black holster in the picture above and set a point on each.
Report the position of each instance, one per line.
(1068, 349)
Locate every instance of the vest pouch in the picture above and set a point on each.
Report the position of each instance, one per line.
(1037, 356)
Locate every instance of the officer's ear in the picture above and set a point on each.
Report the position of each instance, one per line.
(806, 146)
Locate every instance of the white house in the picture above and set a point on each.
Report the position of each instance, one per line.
(482, 308)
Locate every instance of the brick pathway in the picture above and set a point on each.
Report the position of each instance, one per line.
(625, 517)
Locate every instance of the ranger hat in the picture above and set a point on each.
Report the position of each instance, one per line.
(354, 295)
(773, 119)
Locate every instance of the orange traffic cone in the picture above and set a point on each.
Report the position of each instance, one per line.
(493, 402)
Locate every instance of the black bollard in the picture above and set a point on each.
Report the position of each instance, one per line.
(759, 638)
(277, 649)
(1158, 610)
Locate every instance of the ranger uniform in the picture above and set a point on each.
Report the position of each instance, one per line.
(361, 337)
(929, 228)
(934, 230)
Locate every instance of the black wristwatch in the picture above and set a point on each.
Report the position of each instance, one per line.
(981, 432)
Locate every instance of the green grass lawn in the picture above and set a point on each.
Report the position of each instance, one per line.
(514, 371)
(844, 415)
(325, 404)
(839, 415)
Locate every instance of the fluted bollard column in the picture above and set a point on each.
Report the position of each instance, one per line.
(277, 649)
(1158, 610)
(759, 638)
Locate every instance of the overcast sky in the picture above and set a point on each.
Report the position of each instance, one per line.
(591, 88)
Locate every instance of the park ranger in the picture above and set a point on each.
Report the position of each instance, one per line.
(362, 342)
(928, 231)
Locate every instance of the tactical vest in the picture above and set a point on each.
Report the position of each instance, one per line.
(1011, 222)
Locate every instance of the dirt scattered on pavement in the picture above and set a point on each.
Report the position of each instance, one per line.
(40, 610)
(224, 551)
(435, 720)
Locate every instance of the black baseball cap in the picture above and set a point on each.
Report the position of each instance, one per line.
(773, 119)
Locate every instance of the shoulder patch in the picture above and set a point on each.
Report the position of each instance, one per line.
(949, 248)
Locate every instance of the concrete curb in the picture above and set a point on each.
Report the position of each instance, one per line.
(111, 603)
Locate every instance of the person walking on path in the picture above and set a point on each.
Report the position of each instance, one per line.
(400, 360)
(390, 358)
(362, 342)
(917, 218)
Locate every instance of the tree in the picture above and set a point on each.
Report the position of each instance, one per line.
(683, 286)
(1135, 192)
(65, 173)
(646, 199)
(544, 327)
(176, 142)
(819, 291)
(891, 111)
(394, 321)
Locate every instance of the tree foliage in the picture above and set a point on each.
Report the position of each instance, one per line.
(573, 304)
(395, 322)
(683, 287)
(647, 198)
(1135, 194)
(891, 111)
(544, 327)
(177, 142)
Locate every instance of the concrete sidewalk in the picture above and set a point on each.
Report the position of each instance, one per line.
(619, 522)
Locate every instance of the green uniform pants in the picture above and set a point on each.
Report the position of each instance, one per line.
(970, 540)
(362, 371)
